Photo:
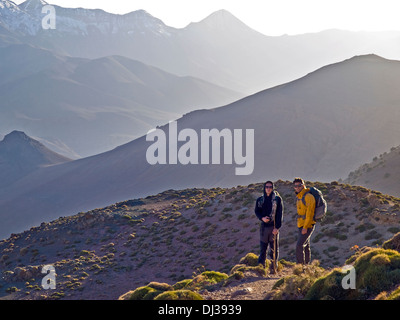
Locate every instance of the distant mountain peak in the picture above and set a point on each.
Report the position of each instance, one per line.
(220, 20)
(21, 155)
(221, 14)
(141, 13)
(16, 136)
(7, 4)
(32, 4)
(146, 20)
(18, 142)
(370, 56)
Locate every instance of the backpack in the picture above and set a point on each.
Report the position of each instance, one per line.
(320, 203)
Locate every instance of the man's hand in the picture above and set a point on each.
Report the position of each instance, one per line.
(266, 219)
(275, 231)
(304, 231)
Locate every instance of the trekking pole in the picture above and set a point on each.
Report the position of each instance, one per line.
(274, 255)
(274, 207)
(274, 252)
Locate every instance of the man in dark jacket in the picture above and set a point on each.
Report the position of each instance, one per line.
(269, 210)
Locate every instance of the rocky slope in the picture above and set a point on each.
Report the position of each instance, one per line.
(341, 116)
(105, 253)
(381, 174)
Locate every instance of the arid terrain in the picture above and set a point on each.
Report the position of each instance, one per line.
(175, 235)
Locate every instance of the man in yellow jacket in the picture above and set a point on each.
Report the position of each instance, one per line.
(305, 220)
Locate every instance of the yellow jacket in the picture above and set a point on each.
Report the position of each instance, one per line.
(305, 212)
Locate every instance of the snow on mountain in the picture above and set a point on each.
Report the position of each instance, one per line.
(33, 5)
(220, 48)
(94, 22)
(15, 19)
(27, 17)
(9, 5)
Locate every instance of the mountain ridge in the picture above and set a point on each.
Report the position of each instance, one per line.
(382, 173)
(65, 98)
(311, 109)
(243, 60)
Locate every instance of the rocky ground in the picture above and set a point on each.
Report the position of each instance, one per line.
(106, 252)
(251, 287)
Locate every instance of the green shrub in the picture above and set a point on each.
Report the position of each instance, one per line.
(249, 263)
(372, 235)
(250, 260)
(296, 286)
(148, 292)
(179, 295)
(214, 276)
(393, 243)
(160, 286)
(259, 269)
(137, 294)
(182, 284)
(394, 295)
(376, 271)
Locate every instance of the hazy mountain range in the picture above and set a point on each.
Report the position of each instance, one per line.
(220, 48)
(319, 127)
(94, 105)
(100, 80)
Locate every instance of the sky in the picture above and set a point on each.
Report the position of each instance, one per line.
(271, 17)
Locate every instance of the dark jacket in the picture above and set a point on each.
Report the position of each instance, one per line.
(264, 208)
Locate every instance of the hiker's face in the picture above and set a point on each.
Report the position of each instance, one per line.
(298, 187)
(268, 189)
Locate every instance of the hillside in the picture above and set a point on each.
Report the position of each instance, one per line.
(105, 253)
(320, 127)
(94, 105)
(382, 173)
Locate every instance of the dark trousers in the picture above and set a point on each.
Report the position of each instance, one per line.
(303, 250)
(267, 239)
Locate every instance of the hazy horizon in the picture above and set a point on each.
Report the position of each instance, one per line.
(270, 18)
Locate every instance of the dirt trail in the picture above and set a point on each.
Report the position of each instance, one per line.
(251, 287)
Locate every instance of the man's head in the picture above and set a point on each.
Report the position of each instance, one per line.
(298, 185)
(268, 187)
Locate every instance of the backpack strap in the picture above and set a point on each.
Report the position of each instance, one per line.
(303, 199)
